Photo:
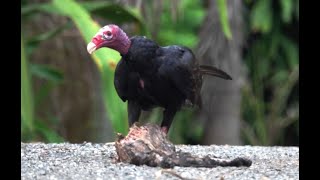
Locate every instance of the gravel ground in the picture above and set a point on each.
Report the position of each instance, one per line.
(97, 161)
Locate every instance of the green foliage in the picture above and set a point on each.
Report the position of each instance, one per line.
(185, 128)
(46, 132)
(33, 128)
(105, 58)
(46, 72)
(33, 42)
(223, 14)
(27, 104)
(115, 12)
(182, 30)
(103, 9)
(273, 64)
(287, 10)
(270, 101)
(261, 16)
(116, 109)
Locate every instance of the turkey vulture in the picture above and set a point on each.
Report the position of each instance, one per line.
(149, 75)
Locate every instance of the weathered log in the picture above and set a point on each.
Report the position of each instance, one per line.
(148, 145)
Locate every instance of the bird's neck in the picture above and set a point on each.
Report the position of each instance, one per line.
(125, 43)
(141, 50)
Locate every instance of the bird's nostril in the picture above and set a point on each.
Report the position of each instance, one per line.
(95, 40)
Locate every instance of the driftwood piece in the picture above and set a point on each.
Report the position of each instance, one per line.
(148, 145)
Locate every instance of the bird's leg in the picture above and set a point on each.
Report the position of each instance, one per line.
(134, 111)
(168, 115)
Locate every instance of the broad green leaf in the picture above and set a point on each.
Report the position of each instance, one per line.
(46, 72)
(197, 16)
(50, 135)
(287, 10)
(263, 66)
(279, 77)
(261, 16)
(104, 9)
(170, 36)
(27, 106)
(291, 51)
(114, 12)
(223, 14)
(274, 44)
(33, 42)
(31, 9)
(87, 27)
(105, 58)
(42, 93)
(191, 10)
(182, 31)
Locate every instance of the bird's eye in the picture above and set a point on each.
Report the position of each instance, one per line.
(107, 35)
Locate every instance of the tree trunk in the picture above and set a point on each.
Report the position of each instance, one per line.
(221, 98)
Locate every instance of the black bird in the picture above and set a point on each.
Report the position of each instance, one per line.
(149, 75)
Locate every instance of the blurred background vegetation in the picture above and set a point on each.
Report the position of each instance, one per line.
(68, 95)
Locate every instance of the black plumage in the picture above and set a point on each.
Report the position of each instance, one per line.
(149, 76)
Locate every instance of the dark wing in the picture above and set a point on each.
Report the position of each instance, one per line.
(176, 65)
(121, 80)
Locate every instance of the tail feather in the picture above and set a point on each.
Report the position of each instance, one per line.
(210, 70)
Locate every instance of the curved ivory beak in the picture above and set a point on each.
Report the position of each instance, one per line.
(91, 47)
